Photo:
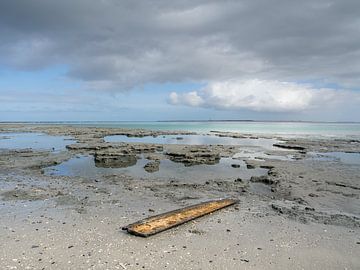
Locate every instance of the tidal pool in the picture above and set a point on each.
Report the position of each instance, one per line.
(343, 157)
(36, 141)
(195, 140)
(260, 155)
(84, 166)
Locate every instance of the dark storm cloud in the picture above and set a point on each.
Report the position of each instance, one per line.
(121, 44)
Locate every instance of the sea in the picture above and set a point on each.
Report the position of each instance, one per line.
(288, 129)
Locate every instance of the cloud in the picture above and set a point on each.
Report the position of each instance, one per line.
(118, 45)
(191, 99)
(264, 96)
(72, 101)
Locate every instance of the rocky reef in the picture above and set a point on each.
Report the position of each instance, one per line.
(195, 155)
(114, 160)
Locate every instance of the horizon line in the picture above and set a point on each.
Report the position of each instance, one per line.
(183, 121)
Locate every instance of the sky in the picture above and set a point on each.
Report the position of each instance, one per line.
(125, 60)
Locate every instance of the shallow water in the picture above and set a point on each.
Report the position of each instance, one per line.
(36, 141)
(297, 129)
(260, 155)
(195, 140)
(84, 166)
(346, 158)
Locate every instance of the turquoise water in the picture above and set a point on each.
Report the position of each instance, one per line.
(270, 128)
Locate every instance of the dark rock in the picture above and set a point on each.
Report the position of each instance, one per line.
(262, 179)
(195, 155)
(289, 146)
(196, 231)
(272, 172)
(114, 160)
(300, 200)
(269, 167)
(152, 166)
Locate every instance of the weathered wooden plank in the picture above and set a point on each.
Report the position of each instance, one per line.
(165, 221)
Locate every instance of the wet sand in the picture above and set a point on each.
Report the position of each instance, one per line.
(301, 211)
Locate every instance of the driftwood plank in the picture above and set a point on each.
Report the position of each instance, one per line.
(165, 221)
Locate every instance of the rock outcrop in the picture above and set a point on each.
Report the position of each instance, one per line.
(194, 155)
(152, 166)
(114, 160)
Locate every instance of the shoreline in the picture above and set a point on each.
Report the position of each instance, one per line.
(190, 121)
(307, 216)
(153, 126)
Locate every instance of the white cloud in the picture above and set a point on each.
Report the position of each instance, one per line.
(191, 99)
(264, 95)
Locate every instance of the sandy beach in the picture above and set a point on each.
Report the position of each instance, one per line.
(63, 208)
(180, 135)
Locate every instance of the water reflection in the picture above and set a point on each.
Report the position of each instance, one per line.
(36, 141)
(195, 140)
(260, 155)
(347, 158)
(118, 161)
(85, 166)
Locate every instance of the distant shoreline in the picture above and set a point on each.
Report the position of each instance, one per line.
(261, 121)
(179, 121)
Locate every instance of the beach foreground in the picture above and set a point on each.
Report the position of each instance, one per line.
(298, 209)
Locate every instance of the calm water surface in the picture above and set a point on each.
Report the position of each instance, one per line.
(36, 141)
(195, 140)
(85, 166)
(347, 158)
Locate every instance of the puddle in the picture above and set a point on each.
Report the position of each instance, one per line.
(259, 155)
(36, 141)
(346, 158)
(195, 140)
(84, 166)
